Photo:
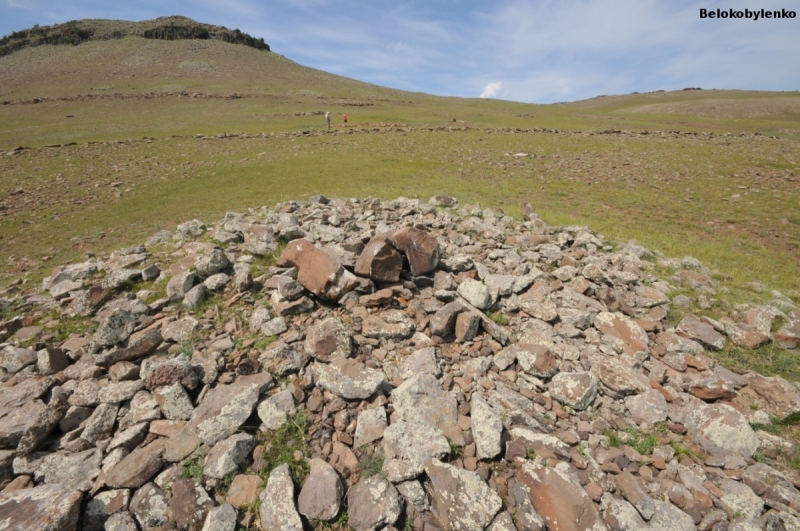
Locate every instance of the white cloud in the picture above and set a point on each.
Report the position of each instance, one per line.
(491, 90)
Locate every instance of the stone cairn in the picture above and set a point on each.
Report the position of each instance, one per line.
(444, 368)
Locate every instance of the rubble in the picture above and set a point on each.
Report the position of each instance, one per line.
(424, 364)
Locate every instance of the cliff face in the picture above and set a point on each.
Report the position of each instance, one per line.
(76, 32)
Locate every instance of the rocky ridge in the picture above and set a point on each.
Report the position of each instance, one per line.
(436, 366)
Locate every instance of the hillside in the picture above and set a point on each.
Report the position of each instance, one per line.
(77, 32)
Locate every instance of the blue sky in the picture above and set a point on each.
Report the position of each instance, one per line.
(537, 51)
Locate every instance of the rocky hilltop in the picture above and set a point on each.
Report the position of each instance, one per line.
(396, 364)
(76, 32)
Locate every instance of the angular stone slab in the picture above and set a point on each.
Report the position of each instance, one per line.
(461, 500)
(574, 389)
(420, 247)
(557, 495)
(380, 260)
(625, 332)
(407, 446)
(349, 378)
(719, 427)
(277, 510)
(422, 399)
(43, 508)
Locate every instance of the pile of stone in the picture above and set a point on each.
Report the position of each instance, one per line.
(441, 367)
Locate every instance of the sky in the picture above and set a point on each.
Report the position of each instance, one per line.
(535, 51)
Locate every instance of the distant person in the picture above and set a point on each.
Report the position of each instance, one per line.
(328, 118)
(344, 117)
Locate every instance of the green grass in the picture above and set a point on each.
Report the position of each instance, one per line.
(641, 441)
(455, 449)
(682, 452)
(498, 318)
(193, 469)
(614, 440)
(371, 464)
(280, 447)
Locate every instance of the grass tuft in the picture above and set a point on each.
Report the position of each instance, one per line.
(287, 444)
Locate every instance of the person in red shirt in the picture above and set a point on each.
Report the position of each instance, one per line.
(344, 117)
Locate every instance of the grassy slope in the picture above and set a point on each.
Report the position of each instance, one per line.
(674, 194)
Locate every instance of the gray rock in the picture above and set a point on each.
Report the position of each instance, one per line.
(281, 359)
(150, 506)
(422, 361)
(621, 515)
(371, 425)
(195, 296)
(393, 324)
(179, 285)
(421, 399)
(99, 425)
(576, 390)
(76, 470)
(222, 518)
(649, 407)
(414, 494)
(102, 506)
(114, 328)
(372, 503)
(277, 502)
(42, 508)
(274, 327)
(179, 331)
(472, 509)
(120, 522)
(223, 411)
(129, 438)
(475, 293)
(14, 359)
(216, 282)
(719, 427)
(349, 378)
(174, 402)
(321, 493)
(227, 455)
(328, 340)
(407, 446)
(487, 428)
(51, 361)
(211, 264)
(90, 393)
(273, 411)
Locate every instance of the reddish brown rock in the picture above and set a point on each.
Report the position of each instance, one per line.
(244, 490)
(138, 467)
(746, 336)
(694, 328)
(779, 396)
(626, 332)
(711, 389)
(189, 503)
(379, 260)
(316, 270)
(420, 247)
(557, 496)
(789, 335)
